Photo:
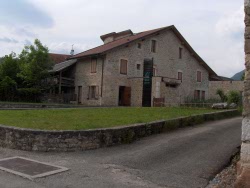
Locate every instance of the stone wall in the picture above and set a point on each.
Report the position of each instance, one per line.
(38, 140)
(226, 86)
(243, 180)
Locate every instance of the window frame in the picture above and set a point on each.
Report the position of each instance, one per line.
(121, 71)
(93, 93)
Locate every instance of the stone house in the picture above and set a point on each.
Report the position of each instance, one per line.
(137, 69)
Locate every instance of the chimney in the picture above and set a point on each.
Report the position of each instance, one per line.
(110, 37)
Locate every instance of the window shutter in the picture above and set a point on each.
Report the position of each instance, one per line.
(93, 65)
(89, 93)
(96, 92)
(123, 66)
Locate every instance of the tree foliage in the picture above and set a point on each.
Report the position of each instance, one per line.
(234, 97)
(222, 95)
(21, 76)
(34, 64)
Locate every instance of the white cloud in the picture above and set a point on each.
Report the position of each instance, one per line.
(231, 23)
(214, 28)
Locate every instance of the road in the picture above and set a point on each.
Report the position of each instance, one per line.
(185, 158)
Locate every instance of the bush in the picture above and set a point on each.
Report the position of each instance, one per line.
(234, 97)
(29, 94)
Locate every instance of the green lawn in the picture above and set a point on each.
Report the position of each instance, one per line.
(89, 118)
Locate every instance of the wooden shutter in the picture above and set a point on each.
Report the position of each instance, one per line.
(123, 66)
(153, 46)
(93, 65)
(96, 92)
(180, 53)
(203, 97)
(89, 92)
(198, 76)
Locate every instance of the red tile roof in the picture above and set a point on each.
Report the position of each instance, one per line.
(58, 58)
(105, 47)
(123, 41)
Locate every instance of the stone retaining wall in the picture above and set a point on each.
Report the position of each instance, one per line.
(6, 105)
(39, 140)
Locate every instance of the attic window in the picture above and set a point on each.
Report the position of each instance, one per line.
(139, 45)
(138, 66)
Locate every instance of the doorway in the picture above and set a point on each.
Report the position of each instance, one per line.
(124, 96)
(147, 82)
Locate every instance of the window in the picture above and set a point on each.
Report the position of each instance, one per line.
(180, 76)
(123, 66)
(153, 46)
(139, 45)
(203, 95)
(138, 66)
(180, 53)
(198, 76)
(93, 92)
(93, 65)
(197, 94)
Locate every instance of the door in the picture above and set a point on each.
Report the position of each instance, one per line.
(124, 96)
(127, 96)
(79, 94)
(147, 82)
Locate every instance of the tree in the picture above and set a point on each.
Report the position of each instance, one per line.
(34, 65)
(222, 95)
(9, 67)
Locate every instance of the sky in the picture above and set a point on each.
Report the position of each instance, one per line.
(214, 28)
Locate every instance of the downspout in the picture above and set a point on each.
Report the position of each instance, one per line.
(103, 59)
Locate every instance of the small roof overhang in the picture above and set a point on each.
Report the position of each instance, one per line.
(63, 65)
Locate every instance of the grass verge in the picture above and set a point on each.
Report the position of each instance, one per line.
(91, 118)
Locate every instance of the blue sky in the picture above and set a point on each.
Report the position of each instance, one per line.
(215, 29)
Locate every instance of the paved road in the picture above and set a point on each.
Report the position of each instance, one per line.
(185, 158)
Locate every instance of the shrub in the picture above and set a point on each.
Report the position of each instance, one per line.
(29, 94)
(234, 97)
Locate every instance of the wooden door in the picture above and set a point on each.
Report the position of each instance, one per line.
(127, 96)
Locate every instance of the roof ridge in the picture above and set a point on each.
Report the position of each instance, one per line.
(115, 41)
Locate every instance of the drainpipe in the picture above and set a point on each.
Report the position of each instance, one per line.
(103, 59)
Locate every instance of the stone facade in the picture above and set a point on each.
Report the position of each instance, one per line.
(166, 64)
(226, 86)
(243, 180)
(38, 140)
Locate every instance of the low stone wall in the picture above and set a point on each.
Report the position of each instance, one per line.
(5, 105)
(39, 140)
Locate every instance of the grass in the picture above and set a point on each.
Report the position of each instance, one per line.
(90, 118)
